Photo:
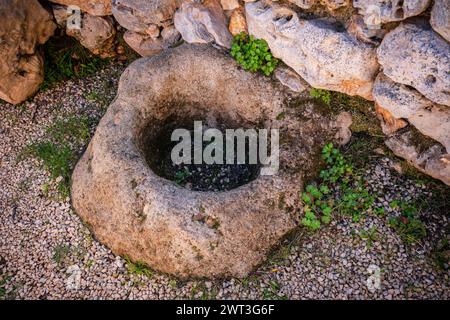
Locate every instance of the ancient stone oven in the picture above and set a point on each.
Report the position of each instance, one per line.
(173, 229)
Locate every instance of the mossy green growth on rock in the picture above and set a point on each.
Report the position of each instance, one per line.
(253, 54)
(362, 111)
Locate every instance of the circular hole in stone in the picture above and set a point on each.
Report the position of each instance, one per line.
(157, 147)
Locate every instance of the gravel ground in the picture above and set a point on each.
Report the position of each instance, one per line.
(46, 252)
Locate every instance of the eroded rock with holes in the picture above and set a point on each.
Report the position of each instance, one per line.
(24, 26)
(141, 15)
(329, 4)
(389, 10)
(415, 55)
(428, 157)
(401, 101)
(96, 34)
(389, 123)
(173, 229)
(304, 4)
(440, 18)
(290, 79)
(147, 45)
(203, 23)
(358, 29)
(93, 7)
(319, 50)
(335, 4)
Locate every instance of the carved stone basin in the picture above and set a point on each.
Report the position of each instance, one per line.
(148, 218)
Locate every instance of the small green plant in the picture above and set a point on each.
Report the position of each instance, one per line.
(272, 292)
(318, 199)
(138, 268)
(182, 175)
(253, 54)
(318, 207)
(66, 58)
(355, 200)
(441, 254)
(337, 166)
(92, 96)
(3, 281)
(409, 227)
(370, 235)
(200, 291)
(60, 252)
(173, 283)
(7, 294)
(323, 95)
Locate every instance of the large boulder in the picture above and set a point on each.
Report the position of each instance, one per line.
(404, 102)
(319, 50)
(389, 10)
(203, 23)
(141, 15)
(24, 26)
(440, 18)
(174, 229)
(414, 55)
(93, 7)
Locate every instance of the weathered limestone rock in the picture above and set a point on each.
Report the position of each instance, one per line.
(238, 23)
(430, 159)
(389, 10)
(318, 50)
(329, 4)
(96, 34)
(93, 7)
(415, 55)
(358, 29)
(229, 4)
(304, 4)
(440, 18)
(344, 121)
(24, 25)
(147, 45)
(334, 4)
(141, 15)
(203, 23)
(389, 123)
(150, 219)
(61, 14)
(429, 118)
(290, 79)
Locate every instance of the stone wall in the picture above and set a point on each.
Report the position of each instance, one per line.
(395, 53)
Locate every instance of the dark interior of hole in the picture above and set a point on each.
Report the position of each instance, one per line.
(157, 146)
